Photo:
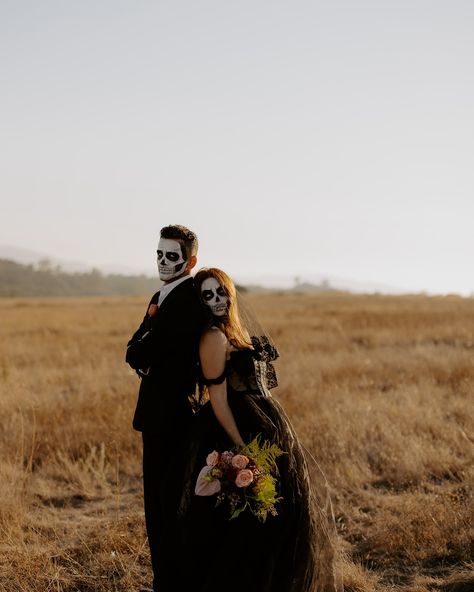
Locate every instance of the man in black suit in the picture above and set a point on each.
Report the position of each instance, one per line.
(164, 352)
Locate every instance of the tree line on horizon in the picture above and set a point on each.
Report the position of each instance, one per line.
(47, 279)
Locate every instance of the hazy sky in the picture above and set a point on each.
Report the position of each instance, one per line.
(295, 137)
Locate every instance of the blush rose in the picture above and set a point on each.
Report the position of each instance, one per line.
(240, 461)
(244, 478)
(212, 458)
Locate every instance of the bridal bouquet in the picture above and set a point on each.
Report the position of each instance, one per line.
(243, 479)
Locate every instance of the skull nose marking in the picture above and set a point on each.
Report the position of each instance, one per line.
(217, 298)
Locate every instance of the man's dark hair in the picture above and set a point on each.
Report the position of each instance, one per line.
(187, 238)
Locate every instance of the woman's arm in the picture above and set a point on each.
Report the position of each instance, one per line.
(213, 353)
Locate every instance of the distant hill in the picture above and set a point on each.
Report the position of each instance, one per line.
(313, 283)
(46, 279)
(310, 288)
(30, 257)
(301, 288)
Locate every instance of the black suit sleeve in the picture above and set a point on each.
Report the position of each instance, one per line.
(166, 336)
(145, 326)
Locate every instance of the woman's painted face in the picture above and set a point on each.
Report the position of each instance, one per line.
(214, 295)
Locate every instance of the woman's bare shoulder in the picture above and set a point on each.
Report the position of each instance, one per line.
(213, 338)
(213, 353)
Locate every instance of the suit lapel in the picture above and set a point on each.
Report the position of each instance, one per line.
(174, 294)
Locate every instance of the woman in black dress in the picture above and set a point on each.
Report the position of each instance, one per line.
(292, 551)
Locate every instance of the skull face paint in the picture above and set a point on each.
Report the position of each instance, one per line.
(170, 260)
(214, 295)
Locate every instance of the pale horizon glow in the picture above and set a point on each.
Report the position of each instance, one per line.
(297, 139)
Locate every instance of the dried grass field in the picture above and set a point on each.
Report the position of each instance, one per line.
(379, 388)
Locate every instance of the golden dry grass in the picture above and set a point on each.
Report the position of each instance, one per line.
(380, 389)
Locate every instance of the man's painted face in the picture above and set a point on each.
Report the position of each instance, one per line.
(214, 295)
(170, 260)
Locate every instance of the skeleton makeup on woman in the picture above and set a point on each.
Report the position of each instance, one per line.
(170, 259)
(214, 295)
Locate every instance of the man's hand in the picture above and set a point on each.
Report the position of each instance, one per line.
(138, 354)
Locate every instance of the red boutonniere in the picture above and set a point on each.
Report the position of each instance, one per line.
(152, 310)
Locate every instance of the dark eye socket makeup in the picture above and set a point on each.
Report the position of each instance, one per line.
(172, 256)
(220, 291)
(207, 294)
(160, 254)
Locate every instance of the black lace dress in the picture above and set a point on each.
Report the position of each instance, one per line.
(290, 552)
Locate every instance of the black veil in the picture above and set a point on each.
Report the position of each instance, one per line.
(321, 572)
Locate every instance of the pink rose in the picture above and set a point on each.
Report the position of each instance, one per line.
(212, 458)
(205, 486)
(227, 456)
(152, 310)
(240, 461)
(244, 478)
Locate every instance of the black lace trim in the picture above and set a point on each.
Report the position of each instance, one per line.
(264, 354)
(264, 350)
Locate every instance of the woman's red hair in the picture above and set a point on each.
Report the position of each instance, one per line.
(229, 324)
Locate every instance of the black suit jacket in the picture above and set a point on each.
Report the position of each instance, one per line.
(170, 351)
